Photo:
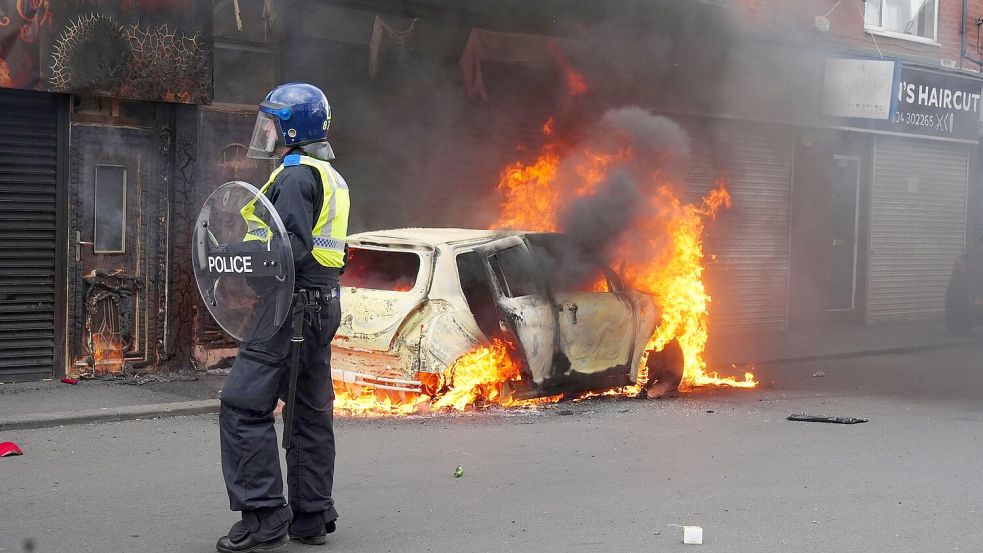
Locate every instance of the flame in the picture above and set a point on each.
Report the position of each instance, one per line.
(664, 258)
(369, 403)
(107, 355)
(485, 376)
(575, 81)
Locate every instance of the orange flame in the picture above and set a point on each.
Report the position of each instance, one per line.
(479, 378)
(548, 127)
(107, 355)
(664, 256)
(575, 81)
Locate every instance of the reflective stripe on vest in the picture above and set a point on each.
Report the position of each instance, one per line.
(331, 228)
(256, 228)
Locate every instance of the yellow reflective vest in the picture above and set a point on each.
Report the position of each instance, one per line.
(331, 227)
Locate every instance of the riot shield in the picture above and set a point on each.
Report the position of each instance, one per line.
(243, 262)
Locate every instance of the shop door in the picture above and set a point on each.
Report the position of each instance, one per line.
(841, 292)
(115, 248)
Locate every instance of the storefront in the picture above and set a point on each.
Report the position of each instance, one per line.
(884, 192)
(87, 179)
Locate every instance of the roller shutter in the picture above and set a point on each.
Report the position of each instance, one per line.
(917, 226)
(28, 226)
(748, 281)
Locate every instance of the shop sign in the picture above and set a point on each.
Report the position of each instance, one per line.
(924, 102)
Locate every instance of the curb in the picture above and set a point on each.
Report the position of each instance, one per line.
(133, 412)
(209, 406)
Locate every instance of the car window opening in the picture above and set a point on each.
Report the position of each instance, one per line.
(514, 272)
(571, 268)
(391, 270)
(478, 293)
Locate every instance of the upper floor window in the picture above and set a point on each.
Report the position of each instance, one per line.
(908, 19)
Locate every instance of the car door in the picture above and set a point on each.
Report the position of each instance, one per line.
(596, 318)
(522, 300)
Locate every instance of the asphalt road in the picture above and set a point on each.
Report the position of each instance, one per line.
(598, 475)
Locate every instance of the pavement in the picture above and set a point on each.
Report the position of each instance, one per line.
(52, 403)
(607, 474)
(830, 341)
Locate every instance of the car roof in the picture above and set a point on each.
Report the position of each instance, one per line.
(431, 236)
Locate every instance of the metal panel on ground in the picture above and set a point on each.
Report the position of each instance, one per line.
(28, 228)
(748, 281)
(917, 226)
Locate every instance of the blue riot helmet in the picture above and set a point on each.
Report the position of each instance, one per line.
(294, 114)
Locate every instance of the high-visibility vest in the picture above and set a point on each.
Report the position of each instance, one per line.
(331, 228)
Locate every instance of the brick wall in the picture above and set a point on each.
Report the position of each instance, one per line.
(847, 27)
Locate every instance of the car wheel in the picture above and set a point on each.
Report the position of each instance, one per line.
(665, 370)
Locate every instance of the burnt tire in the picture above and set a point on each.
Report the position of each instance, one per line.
(665, 369)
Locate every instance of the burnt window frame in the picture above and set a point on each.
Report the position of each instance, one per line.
(421, 274)
(546, 243)
(95, 210)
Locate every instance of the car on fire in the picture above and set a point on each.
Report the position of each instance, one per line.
(415, 300)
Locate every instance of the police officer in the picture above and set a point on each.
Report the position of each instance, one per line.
(312, 200)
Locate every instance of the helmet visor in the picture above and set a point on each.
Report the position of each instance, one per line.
(266, 137)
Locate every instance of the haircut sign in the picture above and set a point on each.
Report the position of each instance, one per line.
(936, 104)
(921, 101)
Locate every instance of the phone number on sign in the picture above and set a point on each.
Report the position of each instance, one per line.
(916, 119)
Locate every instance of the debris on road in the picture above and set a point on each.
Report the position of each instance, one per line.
(564, 412)
(818, 374)
(458, 472)
(8, 449)
(147, 378)
(72, 381)
(802, 417)
(693, 535)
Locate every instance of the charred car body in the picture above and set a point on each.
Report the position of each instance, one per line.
(415, 300)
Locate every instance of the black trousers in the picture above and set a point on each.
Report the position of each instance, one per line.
(250, 454)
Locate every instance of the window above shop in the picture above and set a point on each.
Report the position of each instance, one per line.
(915, 20)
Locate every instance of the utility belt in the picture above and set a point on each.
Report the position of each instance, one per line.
(316, 296)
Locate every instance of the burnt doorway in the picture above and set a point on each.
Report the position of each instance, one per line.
(841, 291)
(118, 217)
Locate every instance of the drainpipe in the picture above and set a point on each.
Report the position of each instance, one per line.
(962, 51)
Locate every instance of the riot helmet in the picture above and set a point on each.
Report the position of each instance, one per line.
(293, 114)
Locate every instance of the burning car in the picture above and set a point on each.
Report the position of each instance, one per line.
(416, 300)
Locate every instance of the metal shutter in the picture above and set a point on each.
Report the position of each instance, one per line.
(749, 281)
(917, 226)
(28, 223)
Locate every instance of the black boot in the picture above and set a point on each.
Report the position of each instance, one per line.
(260, 530)
(309, 532)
